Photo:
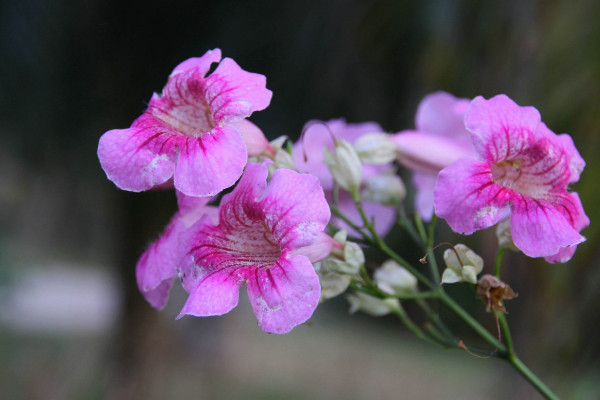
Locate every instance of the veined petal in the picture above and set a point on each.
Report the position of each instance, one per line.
(284, 295)
(232, 93)
(295, 208)
(210, 163)
(466, 197)
(500, 127)
(541, 229)
(138, 158)
(216, 293)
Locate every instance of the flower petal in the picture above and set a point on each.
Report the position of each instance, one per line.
(233, 94)
(210, 163)
(295, 208)
(500, 127)
(132, 158)
(443, 114)
(284, 295)
(201, 65)
(215, 294)
(541, 229)
(466, 197)
(424, 184)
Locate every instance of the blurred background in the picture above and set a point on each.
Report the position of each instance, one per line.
(72, 323)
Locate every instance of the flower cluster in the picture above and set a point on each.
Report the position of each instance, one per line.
(475, 162)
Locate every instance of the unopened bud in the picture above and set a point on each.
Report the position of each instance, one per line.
(386, 189)
(504, 235)
(371, 305)
(464, 269)
(332, 283)
(344, 165)
(375, 148)
(392, 278)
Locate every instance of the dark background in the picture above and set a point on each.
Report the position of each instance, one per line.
(72, 70)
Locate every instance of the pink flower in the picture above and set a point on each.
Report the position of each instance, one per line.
(440, 139)
(189, 130)
(157, 267)
(259, 241)
(316, 138)
(523, 169)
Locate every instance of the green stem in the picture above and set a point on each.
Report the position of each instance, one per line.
(512, 358)
(406, 224)
(435, 273)
(413, 327)
(421, 228)
(499, 256)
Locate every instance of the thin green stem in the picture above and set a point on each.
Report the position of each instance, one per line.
(420, 228)
(406, 224)
(512, 358)
(413, 327)
(499, 256)
(435, 273)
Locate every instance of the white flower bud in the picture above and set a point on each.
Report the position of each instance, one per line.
(344, 165)
(472, 264)
(504, 235)
(371, 305)
(392, 279)
(375, 149)
(332, 283)
(386, 189)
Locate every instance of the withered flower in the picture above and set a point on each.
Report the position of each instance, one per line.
(492, 291)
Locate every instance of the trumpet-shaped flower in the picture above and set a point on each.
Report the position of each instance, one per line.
(309, 157)
(523, 170)
(158, 265)
(188, 130)
(439, 140)
(260, 240)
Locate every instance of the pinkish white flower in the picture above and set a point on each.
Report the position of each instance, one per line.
(308, 157)
(439, 140)
(157, 267)
(258, 241)
(523, 168)
(189, 130)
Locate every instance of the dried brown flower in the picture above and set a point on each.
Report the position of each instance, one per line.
(492, 291)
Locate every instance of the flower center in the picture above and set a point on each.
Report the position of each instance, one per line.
(190, 118)
(515, 175)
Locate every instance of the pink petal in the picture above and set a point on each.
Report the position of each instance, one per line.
(466, 197)
(295, 208)
(428, 153)
(201, 65)
(233, 94)
(576, 163)
(425, 185)
(254, 138)
(541, 229)
(500, 127)
(443, 114)
(132, 158)
(317, 251)
(210, 163)
(216, 294)
(284, 295)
